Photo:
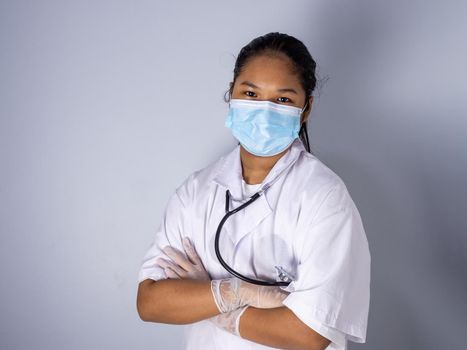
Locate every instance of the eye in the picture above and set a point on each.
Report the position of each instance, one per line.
(250, 92)
(286, 98)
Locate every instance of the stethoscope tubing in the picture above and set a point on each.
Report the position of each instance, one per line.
(216, 241)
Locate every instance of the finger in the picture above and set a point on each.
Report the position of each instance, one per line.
(170, 274)
(174, 267)
(178, 257)
(161, 262)
(191, 251)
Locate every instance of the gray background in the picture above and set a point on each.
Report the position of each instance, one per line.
(107, 106)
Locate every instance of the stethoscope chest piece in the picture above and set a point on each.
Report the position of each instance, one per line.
(283, 275)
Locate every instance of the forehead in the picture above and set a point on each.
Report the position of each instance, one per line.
(270, 70)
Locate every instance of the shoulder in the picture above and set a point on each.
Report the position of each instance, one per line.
(315, 177)
(320, 188)
(327, 210)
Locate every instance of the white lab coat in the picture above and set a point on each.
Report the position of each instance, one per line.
(305, 222)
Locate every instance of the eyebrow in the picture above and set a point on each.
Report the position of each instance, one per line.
(249, 83)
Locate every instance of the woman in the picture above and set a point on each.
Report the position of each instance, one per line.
(304, 223)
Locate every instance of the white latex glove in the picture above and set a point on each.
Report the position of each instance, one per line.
(229, 321)
(233, 293)
(229, 294)
(194, 269)
(181, 266)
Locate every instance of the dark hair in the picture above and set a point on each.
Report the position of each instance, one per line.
(278, 43)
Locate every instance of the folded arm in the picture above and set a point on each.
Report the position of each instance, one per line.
(175, 301)
(182, 301)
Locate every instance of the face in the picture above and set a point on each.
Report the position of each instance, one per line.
(268, 78)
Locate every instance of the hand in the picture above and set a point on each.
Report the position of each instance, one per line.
(180, 266)
(229, 321)
(232, 293)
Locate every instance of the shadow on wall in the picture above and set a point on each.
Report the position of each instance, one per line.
(399, 154)
(377, 204)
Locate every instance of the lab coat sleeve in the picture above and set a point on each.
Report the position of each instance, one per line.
(332, 285)
(336, 337)
(174, 225)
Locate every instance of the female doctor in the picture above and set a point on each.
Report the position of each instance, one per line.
(291, 269)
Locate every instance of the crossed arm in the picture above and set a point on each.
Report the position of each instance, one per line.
(182, 301)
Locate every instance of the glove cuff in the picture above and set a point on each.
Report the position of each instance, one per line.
(216, 293)
(237, 321)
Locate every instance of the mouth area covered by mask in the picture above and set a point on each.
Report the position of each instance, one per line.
(263, 128)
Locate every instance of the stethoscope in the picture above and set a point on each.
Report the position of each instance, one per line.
(282, 274)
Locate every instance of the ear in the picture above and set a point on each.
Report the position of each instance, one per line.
(307, 111)
(310, 102)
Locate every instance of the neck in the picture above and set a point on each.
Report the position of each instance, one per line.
(256, 168)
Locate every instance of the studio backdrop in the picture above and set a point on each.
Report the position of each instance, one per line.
(107, 106)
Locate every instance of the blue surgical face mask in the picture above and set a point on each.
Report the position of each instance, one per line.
(263, 128)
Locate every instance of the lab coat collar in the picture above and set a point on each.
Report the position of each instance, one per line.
(230, 175)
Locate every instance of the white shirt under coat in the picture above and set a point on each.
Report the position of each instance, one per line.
(305, 222)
